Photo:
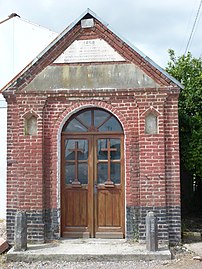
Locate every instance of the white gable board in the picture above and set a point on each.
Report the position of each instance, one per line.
(93, 50)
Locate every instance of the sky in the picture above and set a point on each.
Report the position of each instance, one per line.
(153, 26)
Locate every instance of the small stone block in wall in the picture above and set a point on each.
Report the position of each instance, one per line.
(20, 237)
(3, 245)
(151, 232)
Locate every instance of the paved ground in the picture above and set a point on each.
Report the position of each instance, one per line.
(195, 248)
(183, 259)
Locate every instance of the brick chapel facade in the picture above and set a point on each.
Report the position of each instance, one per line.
(93, 140)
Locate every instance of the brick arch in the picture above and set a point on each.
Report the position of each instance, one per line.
(67, 113)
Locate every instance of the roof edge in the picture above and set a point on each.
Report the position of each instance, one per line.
(63, 33)
(163, 71)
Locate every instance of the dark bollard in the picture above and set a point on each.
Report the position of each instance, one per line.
(151, 232)
(20, 238)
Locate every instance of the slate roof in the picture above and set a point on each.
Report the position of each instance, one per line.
(15, 82)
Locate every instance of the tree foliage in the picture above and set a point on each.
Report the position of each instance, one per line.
(188, 70)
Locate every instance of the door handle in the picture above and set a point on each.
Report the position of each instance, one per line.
(95, 188)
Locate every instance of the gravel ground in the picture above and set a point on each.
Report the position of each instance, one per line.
(183, 260)
(184, 263)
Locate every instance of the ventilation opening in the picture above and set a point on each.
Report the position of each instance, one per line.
(87, 23)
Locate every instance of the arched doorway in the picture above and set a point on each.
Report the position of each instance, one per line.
(92, 176)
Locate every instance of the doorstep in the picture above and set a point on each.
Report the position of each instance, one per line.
(88, 249)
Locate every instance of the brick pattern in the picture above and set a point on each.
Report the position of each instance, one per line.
(161, 214)
(41, 225)
(152, 180)
(168, 219)
(174, 224)
(52, 222)
(10, 223)
(132, 222)
(172, 169)
(35, 225)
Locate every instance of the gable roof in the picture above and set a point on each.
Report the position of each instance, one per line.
(40, 62)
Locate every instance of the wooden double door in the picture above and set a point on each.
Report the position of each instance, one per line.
(92, 187)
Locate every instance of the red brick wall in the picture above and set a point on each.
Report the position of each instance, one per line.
(26, 154)
(172, 151)
(146, 159)
(151, 161)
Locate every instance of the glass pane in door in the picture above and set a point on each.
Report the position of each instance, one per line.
(115, 149)
(78, 147)
(102, 149)
(69, 173)
(83, 173)
(115, 173)
(109, 161)
(76, 161)
(102, 173)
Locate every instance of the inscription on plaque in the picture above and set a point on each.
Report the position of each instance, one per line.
(93, 50)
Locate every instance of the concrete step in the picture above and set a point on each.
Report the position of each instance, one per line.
(88, 249)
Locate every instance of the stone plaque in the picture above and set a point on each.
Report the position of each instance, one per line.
(93, 50)
(151, 124)
(31, 126)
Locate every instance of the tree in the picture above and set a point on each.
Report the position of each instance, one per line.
(188, 70)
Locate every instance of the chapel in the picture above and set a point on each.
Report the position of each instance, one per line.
(93, 141)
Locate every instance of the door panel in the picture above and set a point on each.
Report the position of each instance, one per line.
(76, 202)
(109, 205)
(75, 188)
(108, 208)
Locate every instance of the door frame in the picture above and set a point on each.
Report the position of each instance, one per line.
(92, 137)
